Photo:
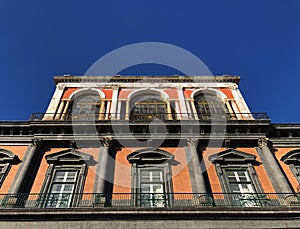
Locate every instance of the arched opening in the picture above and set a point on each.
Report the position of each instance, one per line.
(208, 105)
(149, 107)
(86, 106)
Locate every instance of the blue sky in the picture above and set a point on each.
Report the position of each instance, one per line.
(255, 39)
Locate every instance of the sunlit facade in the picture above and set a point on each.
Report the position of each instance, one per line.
(167, 151)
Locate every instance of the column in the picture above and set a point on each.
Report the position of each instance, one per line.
(103, 165)
(169, 111)
(231, 112)
(53, 106)
(127, 112)
(272, 167)
(101, 112)
(182, 103)
(195, 165)
(108, 111)
(114, 102)
(24, 170)
(60, 110)
(64, 115)
(194, 110)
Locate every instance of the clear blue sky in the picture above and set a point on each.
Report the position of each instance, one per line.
(256, 39)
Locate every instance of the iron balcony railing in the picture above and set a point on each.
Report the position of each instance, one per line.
(148, 117)
(149, 200)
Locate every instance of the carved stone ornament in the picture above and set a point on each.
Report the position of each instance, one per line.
(192, 141)
(61, 86)
(36, 141)
(262, 142)
(106, 141)
(233, 86)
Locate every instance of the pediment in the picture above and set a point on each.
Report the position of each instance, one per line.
(8, 157)
(149, 154)
(232, 155)
(70, 155)
(292, 157)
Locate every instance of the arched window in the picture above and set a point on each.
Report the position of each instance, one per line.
(208, 105)
(148, 107)
(86, 106)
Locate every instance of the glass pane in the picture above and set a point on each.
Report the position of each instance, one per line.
(56, 188)
(235, 188)
(156, 176)
(68, 188)
(71, 176)
(59, 176)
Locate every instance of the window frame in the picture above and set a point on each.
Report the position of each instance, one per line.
(159, 160)
(232, 159)
(81, 113)
(4, 172)
(71, 160)
(211, 104)
(7, 159)
(145, 100)
(292, 159)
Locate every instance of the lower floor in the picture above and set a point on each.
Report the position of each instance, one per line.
(155, 218)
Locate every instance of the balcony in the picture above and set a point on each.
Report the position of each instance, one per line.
(147, 117)
(149, 200)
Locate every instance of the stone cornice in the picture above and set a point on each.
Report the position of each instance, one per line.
(132, 79)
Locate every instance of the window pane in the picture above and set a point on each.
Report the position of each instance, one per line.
(62, 188)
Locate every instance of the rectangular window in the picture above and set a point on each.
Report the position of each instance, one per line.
(4, 169)
(242, 191)
(2, 173)
(62, 188)
(152, 188)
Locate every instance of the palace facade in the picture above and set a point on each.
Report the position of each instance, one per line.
(149, 151)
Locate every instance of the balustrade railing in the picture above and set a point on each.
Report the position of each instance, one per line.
(148, 117)
(149, 200)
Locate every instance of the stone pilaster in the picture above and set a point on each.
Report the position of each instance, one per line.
(114, 102)
(182, 103)
(25, 168)
(103, 166)
(198, 181)
(272, 167)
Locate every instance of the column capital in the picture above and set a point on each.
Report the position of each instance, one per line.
(233, 86)
(61, 86)
(262, 142)
(36, 141)
(73, 145)
(106, 141)
(115, 87)
(192, 140)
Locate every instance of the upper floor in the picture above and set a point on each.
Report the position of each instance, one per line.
(144, 98)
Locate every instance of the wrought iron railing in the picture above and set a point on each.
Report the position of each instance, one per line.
(148, 117)
(149, 200)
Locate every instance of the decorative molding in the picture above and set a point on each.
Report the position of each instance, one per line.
(262, 142)
(149, 155)
(232, 156)
(69, 156)
(233, 86)
(8, 157)
(106, 141)
(152, 79)
(292, 157)
(36, 142)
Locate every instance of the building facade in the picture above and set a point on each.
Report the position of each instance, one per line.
(170, 151)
